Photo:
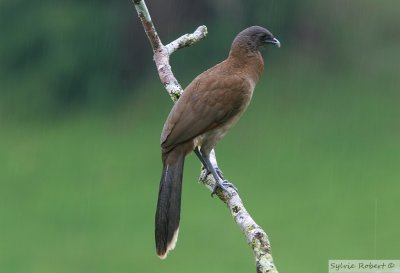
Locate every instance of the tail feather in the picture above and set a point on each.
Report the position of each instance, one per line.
(169, 205)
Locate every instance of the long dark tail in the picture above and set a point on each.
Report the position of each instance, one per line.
(169, 203)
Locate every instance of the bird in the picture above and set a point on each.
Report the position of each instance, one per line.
(209, 106)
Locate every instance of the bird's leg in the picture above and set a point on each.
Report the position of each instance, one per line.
(198, 153)
(200, 156)
(217, 174)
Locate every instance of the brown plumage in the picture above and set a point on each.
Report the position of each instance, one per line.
(210, 105)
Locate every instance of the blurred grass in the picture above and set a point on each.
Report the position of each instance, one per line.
(315, 159)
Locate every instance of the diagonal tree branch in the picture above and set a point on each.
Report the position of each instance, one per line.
(255, 235)
(162, 53)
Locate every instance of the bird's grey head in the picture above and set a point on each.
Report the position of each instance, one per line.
(254, 38)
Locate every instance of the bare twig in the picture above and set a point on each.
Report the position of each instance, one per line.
(256, 237)
(162, 53)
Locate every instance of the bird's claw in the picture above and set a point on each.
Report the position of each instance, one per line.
(220, 173)
(208, 172)
(223, 185)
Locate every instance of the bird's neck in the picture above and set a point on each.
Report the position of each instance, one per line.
(247, 61)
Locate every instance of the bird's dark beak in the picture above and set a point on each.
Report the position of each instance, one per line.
(274, 41)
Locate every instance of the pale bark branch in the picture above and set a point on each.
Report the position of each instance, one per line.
(256, 237)
(162, 53)
(187, 39)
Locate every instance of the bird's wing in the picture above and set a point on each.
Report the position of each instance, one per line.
(207, 102)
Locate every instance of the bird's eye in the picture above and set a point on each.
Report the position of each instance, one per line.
(264, 36)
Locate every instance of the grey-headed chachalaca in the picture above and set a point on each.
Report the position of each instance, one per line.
(210, 105)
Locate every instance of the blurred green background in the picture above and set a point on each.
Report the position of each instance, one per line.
(316, 157)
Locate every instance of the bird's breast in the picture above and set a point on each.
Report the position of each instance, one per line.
(209, 139)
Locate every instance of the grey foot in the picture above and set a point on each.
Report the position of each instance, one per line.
(218, 170)
(220, 174)
(223, 185)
